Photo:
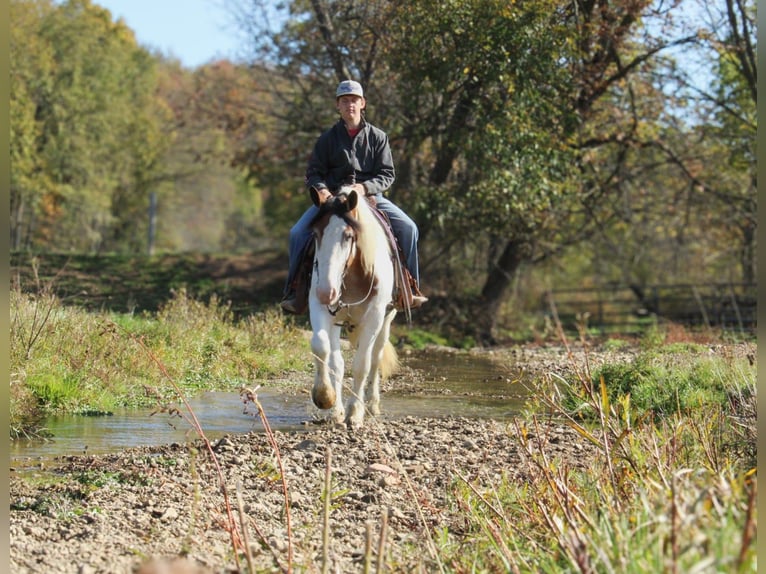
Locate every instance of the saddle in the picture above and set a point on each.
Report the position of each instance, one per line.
(405, 286)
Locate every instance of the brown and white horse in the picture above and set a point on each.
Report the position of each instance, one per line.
(352, 285)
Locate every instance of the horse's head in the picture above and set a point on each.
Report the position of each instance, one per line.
(335, 229)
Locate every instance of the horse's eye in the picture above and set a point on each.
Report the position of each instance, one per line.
(348, 236)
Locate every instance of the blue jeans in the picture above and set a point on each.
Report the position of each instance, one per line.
(404, 228)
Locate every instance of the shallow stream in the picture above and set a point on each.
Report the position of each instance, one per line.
(447, 384)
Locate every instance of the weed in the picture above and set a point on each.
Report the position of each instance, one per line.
(658, 491)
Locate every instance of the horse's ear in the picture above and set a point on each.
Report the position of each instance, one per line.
(353, 198)
(314, 196)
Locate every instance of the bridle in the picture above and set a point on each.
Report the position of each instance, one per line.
(340, 304)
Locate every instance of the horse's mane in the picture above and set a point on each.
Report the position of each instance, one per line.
(370, 236)
(369, 233)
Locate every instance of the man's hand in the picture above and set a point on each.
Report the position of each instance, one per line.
(359, 188)
(324, 194)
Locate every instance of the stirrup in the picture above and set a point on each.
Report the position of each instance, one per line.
(290, 304)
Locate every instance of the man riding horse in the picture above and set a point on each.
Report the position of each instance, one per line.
(354, 152)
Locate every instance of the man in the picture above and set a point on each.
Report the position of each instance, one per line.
(352, 151)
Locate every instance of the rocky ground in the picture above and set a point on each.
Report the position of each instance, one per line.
(113, 513)
(131, 511)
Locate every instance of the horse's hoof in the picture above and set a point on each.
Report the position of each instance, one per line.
(323, 397)
(355, 416)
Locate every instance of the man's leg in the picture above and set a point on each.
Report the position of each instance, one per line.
(406, 232)
(300, 236)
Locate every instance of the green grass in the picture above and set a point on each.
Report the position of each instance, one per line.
(67, 360)
(674, 380)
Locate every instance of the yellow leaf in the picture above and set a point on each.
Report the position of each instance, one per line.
(604, 396)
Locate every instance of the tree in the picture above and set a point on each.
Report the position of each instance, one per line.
(223, 158)
(519, 129)
(95, 127)
(31, 62)
(728, 39)
(518, 99)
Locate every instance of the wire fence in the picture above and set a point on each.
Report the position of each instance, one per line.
(630, 309)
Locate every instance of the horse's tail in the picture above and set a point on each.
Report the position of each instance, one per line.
(389, 364)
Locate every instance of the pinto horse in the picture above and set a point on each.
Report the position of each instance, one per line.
(352, 285)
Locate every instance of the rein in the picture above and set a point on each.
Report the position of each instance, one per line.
(341, 305)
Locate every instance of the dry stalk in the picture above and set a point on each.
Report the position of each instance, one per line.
(262, 537)
(564, 502)
(245, 536)
(749, 531)
(194, 422)
(381, 563)
(674, 525)
(326, 515)
(251, 395)
(368, 549)
(411, 491)
(598, 401)
(498, 538)
(481, 497)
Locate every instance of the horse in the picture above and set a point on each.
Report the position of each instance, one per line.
(352, 285)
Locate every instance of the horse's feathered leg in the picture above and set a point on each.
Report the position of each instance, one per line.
(328, 360)
(365, 366)
(384, 363)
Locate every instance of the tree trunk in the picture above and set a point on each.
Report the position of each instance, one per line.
(747, 253)
(17, 218)
(496, 287)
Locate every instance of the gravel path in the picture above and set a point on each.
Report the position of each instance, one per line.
(111, 513)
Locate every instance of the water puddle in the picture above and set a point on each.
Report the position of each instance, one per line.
(445, 385)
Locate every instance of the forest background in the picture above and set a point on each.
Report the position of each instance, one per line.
(538, 144)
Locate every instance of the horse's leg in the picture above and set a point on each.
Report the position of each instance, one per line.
(323, 392)
(373, 395)
(336, 365)
(366, 343)
(328, 360)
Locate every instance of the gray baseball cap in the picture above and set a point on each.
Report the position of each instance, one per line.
(349, 88)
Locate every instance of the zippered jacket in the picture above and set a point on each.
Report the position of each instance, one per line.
(337, 159)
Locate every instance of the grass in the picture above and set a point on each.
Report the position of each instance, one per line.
(669, 487)
(663, 382)
(67, 360)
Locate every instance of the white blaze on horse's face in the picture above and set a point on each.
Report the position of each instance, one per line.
(335, 247)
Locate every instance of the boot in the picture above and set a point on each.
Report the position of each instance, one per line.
(296, 301)
(290, 303)
(417, 301)
(417, 297)
(409, 295)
